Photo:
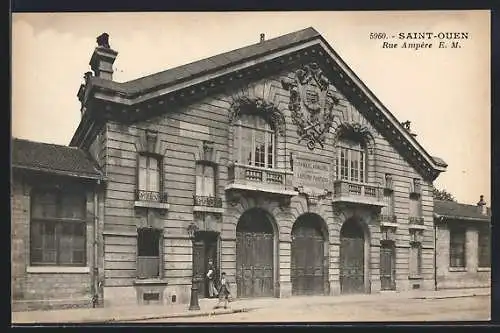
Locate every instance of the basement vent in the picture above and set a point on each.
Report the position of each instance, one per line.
(151, 296)
(416, 286)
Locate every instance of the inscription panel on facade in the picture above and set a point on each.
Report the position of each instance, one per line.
(312, 171)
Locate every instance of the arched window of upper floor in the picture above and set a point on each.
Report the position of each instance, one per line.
(351, 159)
(254, 141)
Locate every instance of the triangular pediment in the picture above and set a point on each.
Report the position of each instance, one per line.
(146, 97)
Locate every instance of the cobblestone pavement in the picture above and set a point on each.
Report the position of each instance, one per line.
(453, 309)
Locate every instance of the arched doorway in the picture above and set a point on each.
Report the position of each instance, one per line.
(352, 258)
(254, 254)
(309, 266)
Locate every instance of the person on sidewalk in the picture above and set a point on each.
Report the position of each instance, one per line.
(212, 291)
(224, 292)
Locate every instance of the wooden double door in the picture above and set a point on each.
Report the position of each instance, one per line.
(205, 248)
(254, 255)
(308, 260)
(352, 258)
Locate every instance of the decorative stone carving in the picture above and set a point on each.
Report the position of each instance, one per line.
(208, 151)
(356, 132)
(337, 211)
(148, 142)
(261, 107)
(151, 139)
(284, 202)
(103, 41)
(313, 196)
(233, 198)
(310, 91)
(406, 125)
(87, 76)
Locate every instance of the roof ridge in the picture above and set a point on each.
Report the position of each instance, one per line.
(456, 202)
(44, 143)
(267, 41)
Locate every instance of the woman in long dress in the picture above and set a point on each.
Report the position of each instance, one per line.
(212, 291)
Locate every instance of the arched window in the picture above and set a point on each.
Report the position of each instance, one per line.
(351, 160)
(254, 142)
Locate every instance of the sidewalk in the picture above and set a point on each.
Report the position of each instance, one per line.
(121, 313)
(137, 313)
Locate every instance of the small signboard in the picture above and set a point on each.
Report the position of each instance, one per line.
(312, 171)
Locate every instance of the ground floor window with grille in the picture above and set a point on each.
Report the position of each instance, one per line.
(58, 228)
(484, 247)
(457, 247)
(148, 253)
(415, 259)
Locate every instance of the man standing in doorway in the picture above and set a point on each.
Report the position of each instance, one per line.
(212, 291)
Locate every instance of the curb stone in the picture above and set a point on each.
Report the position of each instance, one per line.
(179, 315)
(451, 296)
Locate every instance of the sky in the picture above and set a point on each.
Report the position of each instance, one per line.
(445, 93)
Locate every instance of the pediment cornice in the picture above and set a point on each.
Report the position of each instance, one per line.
(118, 104)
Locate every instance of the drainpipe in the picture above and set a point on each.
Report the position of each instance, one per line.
(435, 259)
(440, 218)
(95, 287)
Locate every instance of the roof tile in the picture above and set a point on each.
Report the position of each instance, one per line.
(459, 211)
(53, 158)
(199, 67)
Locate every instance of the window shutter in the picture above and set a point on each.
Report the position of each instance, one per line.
(199, 180)
(154, 175)
(246, 146)
(209, 181)
(142, 177)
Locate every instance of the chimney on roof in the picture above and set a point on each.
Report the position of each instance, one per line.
(482, 205)
(103, 58)
(262, 37)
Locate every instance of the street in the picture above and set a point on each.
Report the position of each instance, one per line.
(402, 309)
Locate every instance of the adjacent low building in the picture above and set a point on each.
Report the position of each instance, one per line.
(55, 219)
(463, 244)
(293, 175)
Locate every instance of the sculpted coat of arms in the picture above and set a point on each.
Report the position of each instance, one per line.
(311, 104)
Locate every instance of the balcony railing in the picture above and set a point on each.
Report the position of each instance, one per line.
(148, 267)
(260, 179)
(416, 220)
(141, 195)
(356, 193)
(388, 218)
(207, 201)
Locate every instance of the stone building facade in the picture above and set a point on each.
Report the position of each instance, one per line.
(296, 177)
(463, 245)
